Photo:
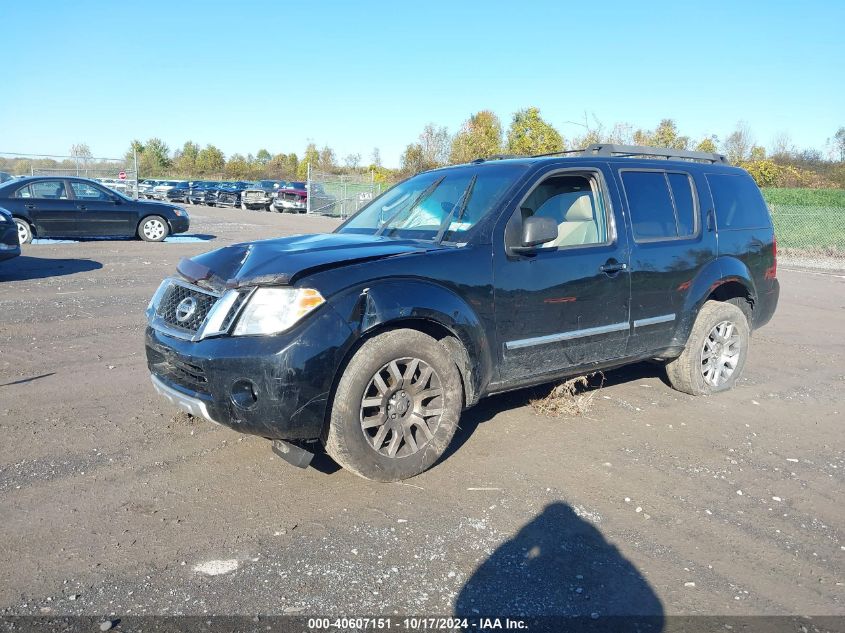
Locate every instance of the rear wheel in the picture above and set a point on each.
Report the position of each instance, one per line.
(715, 353)
(153, 229)
(24, 231)
(396, 407)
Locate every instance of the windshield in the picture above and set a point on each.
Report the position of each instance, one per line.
(444, 203)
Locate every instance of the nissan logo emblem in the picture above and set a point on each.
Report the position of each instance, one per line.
(186, 309)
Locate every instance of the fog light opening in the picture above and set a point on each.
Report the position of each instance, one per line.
(244, 394)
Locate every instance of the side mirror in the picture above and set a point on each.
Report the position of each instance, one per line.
(536, 231)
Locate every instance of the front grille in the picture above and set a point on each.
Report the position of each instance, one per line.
(176, 371)
(291, 197)
(175, 295)
(253, 195)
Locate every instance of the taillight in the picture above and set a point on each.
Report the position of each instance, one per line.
(772, 271)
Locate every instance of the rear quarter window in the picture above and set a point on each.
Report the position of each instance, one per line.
(738, 202)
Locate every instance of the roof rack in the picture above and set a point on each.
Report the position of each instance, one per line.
(602, 149)
(495, 157)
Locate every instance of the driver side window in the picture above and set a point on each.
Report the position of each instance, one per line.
(575, 204)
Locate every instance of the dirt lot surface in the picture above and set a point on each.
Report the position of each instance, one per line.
(654, 502)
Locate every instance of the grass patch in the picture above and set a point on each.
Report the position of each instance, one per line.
(810, 221)
(569, 399)
(805, 197)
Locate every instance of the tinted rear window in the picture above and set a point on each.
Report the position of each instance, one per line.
(655, 212)
(684, 202)
(739, 203)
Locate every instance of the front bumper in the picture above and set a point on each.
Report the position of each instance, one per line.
(180, 224)
(290, 204)
(290, 376)
(9, 246)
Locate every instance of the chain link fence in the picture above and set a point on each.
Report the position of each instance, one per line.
(809, 236)
(114, 173)
(340, 195)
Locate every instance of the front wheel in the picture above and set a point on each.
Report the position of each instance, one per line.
(24, 231)
(396, 407)
(715, 353)
(153, 229)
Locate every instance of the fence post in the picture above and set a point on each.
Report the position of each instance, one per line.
(135, 160)
(308, 189)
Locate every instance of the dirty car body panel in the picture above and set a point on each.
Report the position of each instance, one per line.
(515, 316)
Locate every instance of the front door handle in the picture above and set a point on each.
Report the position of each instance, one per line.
(611, 266)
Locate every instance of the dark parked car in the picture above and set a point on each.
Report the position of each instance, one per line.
(178, 192)
(198, 190)
(4, 176)
(48, 206)
(229, 194)
(9, 244)
(464, 282)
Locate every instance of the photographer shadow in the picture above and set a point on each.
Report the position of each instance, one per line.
(561, 565)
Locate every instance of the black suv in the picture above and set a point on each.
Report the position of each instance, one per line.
(466, 281)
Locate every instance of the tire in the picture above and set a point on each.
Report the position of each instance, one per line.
(379, 452)
(24, 231)
(153, 228)
(244, 207)
(721, 332)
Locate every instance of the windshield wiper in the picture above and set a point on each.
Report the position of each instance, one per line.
(425, 193)
(463, 201)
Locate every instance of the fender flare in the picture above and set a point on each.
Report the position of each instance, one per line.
(386, 303)
(715, 273)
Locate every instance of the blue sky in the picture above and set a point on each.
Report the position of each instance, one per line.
(357, 75)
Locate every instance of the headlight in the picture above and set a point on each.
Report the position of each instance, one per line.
(274, 310)
(180, 212)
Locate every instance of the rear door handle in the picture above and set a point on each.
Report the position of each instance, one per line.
(29, 206)
(81, 207)
(611, 266)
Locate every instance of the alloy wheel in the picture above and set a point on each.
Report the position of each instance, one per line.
(720, 353)
(401, 407)
(23, 232)
(154, 229)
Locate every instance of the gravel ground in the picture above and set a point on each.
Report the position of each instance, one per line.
(654, 502)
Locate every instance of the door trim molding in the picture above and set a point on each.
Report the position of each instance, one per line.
(566, 336)
(663, 318)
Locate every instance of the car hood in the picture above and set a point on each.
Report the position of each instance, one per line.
(280, 261)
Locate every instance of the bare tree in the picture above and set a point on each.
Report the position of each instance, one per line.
(81, 154)
(435, 145)
(839, 143)
(782, 146)
(738, 145)
(352, 161)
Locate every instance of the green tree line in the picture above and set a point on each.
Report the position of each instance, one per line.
(482, 135)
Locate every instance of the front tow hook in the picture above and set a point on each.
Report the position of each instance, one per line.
(292, 453)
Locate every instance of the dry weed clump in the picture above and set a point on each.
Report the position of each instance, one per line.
(570, 399)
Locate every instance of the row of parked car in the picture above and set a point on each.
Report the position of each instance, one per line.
(264, 195)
